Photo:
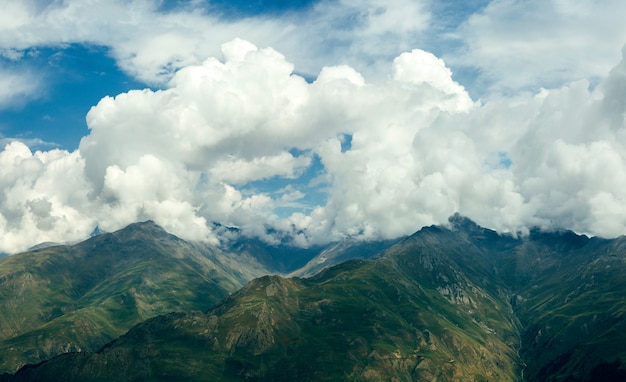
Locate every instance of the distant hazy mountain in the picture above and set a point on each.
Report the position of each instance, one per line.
(280, 258)
(337, 253)
(446, 304)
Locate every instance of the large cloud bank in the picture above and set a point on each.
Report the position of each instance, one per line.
(391, 156)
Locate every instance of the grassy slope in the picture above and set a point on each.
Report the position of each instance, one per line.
(77, 298)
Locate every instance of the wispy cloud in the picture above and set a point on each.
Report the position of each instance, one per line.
(525, 45)
(17, 87)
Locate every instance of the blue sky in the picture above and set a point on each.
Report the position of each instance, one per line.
(73, 79)
(318, 119)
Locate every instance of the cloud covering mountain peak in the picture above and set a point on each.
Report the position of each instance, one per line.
(201, 149)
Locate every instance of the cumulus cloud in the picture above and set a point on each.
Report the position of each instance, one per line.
(43, 197)
(420, 149)
(571, 164)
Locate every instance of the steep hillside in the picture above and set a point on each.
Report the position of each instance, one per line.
(573, 308)
(77, 298)
(568, 291)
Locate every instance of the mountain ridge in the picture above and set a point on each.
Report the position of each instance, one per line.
(78, 297)
(452, 303)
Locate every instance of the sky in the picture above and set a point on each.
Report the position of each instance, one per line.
(306, 122)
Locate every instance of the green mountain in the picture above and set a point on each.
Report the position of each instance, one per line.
(74, 298)
(572, 304)
(456, 303)
(567, 291)
(361, 320)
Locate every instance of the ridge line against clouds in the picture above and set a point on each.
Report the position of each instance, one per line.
(223, 117)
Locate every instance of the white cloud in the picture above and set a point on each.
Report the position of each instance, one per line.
(151, 189)
(212, 111)
(151, 45)
(16, 87)
(519, 44)
(421, 149)
(43, 195)
(573, 156)
(15, 14)
(240, 171)
(511, 45)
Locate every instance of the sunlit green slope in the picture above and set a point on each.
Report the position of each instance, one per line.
(77, 298)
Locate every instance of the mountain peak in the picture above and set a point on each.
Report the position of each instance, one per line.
(146, 232)
(148, 227)
(459, 222)
(96, 231)
(147, 223)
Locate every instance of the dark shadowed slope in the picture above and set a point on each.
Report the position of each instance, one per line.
(568, 291)
(572, 304)
(79, 297)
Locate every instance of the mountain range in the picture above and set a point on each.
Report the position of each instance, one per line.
(453, 303)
